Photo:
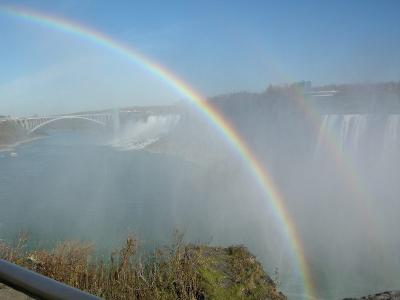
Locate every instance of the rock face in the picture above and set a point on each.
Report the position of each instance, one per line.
(393, 295)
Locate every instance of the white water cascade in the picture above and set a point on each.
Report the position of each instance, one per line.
(345, 130)
(378, 135)
(140, 134)
(391, 140)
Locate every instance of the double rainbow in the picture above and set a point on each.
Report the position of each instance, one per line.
(260, 174)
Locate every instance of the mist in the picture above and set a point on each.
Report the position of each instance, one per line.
(336, 165)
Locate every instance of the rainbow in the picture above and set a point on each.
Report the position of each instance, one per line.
(261, 175)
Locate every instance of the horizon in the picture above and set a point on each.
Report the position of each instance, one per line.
(210, 98)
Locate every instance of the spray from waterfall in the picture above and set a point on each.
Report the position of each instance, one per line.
(142, 133)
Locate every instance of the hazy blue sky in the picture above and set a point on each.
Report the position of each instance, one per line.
(216, 46)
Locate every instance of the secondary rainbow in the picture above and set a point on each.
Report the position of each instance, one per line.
(222, 125)
(330, 141)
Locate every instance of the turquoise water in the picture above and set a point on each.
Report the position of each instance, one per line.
(74, 186)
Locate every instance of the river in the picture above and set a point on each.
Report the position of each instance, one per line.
(75, 186)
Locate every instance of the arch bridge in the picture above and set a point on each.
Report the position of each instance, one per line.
(33, 124)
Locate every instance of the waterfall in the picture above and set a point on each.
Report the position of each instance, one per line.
(379, 135)
(345, 130)
(391, 144)
(143, 133)
(354, 128)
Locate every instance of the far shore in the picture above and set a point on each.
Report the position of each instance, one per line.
(11, 147)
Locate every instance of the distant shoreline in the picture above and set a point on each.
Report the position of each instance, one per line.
(11, 147)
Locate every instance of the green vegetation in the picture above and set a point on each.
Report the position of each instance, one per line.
(233, 273)
(180, 271)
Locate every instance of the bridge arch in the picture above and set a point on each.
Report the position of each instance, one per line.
(35, 128)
